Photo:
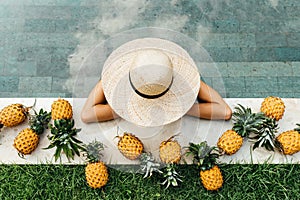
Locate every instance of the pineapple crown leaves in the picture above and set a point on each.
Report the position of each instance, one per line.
(93, 151)
(26, 109)
(266, 135)
(297, 128)
(148, 165)
(39, 121)
(63, 138)
(203, 155)
(246, 122)
(171, 176)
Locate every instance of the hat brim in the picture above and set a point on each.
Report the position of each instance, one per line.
(150, 112)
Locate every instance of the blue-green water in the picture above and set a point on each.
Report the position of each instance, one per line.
(254, 45)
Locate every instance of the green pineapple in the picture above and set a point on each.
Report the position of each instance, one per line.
(266, 135)
(63, 138)
(171, 176)
(148, 165)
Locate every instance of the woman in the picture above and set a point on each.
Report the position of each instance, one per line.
(151, 82)
(211, 106)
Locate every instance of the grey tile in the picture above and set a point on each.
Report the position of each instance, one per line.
(47, 12)
(287, 54)
(9, 83)
(287, 84)
(261, 84)
(33, 94)
(235, 84)
(49, 40)
(262, 54)
(227, 39)
(59, 85)
(293, 39)
(39, 25)
(53, 69)
(271, 39)
(230, 54)
(212, 69)
(26, 68)
(226, 25)
(296, 68)
(35, 84)
(271, 69)
(293, 11)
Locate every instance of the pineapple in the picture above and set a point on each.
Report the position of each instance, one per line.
(273, 107)
(212, 178)
(63, 138)
(266, 135)
(13, 115)
(96, 172)
(245, 123)
(148, 164)
(61, 109)
(230, 142)
(171, 176)
(130, 146)
(289, 141)
(27, 140)
(170, 151)
(205, 157)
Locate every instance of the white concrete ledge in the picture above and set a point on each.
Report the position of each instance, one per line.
(189, 129)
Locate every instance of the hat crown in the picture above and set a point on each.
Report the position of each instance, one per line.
(151, 72)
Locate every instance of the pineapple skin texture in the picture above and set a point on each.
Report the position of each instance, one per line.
(230, 142)
(26, 141)
(130, 146)
(289, 141)
(273, 107)
(96, 174)
(12, 115)
(212, 179)
(170, 152)
(61, 109)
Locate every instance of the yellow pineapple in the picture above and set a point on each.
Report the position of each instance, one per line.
(13, 115)
(212, 179)
(170, 151)
(27, 140)
(130, 146)
(273, 107)
(289, 141)
(61, 109)
(230, 142)
(245, 123)
(205, 157)
(96, 172)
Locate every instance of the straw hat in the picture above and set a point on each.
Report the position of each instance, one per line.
(150, 81)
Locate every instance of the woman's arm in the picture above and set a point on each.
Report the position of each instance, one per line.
(211, 105)
(96, 108)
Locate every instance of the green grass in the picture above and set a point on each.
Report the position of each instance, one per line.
(264, 181)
